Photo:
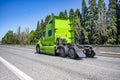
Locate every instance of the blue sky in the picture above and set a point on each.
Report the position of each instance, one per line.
(26, 13)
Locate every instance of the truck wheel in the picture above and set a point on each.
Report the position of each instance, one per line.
(37, 49)
(72, 54)
(90, 54)
(61, 51)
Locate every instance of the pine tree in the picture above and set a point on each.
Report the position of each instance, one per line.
(38, 27)
(77, 25)
(91, 26)
(61, 15)
(43, 26)
(47, 19)
(79, 30)
(38, 30)
(65, 14)
(84, 13)
(118, 22)
(71, 13)
(102, 27)
(111, 28)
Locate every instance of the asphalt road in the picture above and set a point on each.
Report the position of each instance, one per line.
(46, 67)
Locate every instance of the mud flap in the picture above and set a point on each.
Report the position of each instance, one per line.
(79, 52)
(97, 52)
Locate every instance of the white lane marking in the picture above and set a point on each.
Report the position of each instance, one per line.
(15, 70)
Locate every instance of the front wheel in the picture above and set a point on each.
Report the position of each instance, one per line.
(37, 49)
(72, 54)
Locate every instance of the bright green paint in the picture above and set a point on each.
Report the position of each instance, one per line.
(61, 28)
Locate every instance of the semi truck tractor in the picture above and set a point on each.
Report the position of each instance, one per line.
(58, 39)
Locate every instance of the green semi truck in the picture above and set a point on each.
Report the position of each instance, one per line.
(58, 39)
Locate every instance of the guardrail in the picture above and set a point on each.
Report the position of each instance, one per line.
(106, 45)
(112, 49)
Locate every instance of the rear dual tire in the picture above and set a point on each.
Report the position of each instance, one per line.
(90, 54)
(61, 51)
(72, 53)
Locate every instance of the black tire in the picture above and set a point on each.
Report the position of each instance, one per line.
(71, 53)
(37, 49)
(61, 51)
(93, 54)
(90, 54)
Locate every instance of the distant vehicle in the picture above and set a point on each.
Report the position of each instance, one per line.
(58, 39)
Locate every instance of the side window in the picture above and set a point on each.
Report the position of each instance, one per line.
(50, 33)
(44, 34)
(51, 22)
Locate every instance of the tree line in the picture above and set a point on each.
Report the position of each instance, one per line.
(96, 24)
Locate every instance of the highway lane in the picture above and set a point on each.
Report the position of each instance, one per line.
(46, 67)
